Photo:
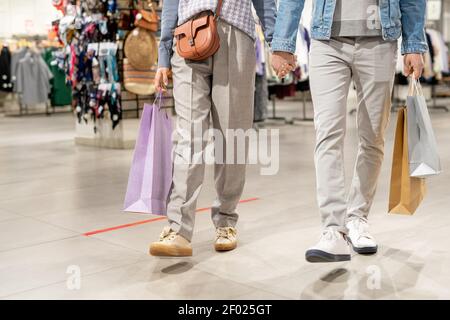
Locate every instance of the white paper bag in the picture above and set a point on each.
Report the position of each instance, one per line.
(422, 147)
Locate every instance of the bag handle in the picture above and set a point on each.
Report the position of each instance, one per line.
(152, 7)
(415, 84)
(218, 8)
(159, 98)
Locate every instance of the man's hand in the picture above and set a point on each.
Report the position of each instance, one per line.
(162, 79)
(283, 63)
(413, 63)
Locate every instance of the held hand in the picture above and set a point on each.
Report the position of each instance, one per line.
(413, 63)
(162, 79)
(283, 63)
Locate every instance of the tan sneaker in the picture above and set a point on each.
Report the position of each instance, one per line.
(171, 244)
(225, 239)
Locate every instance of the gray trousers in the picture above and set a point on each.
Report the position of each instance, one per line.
(220, 89)
(370, 62)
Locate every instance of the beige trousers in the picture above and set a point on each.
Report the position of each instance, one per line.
(220, 89)
(370, 62)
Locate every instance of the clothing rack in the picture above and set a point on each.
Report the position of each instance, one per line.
(32, 42)
(274, 112)
(293, 120)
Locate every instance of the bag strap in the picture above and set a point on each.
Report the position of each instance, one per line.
(218, 8)
(415, 84)
(158, 97)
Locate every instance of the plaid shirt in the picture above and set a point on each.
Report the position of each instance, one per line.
(238, 13)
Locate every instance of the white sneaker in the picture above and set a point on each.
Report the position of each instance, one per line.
(332, 247)
(359, 236)
(226, 239)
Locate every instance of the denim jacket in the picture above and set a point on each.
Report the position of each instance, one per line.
(265, 9)
(404, 18)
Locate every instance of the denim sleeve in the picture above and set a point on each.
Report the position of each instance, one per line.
(169, 19)
(286, 26)
(413, 26)
(267, 14)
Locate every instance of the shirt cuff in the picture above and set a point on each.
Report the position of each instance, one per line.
(164, 56)
(285, 45)
(414, 47)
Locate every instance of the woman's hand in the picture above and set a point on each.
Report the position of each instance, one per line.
(283, 63)
(162, 79)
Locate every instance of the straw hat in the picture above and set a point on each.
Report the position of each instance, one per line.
(139, 82)
(141, 49)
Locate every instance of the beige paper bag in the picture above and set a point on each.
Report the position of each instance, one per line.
(406, 193)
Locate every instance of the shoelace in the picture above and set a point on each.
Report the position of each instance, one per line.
(225, 233)
(363, 228)
(167, 234)
(328, 234)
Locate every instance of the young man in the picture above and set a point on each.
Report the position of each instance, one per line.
(352, 40)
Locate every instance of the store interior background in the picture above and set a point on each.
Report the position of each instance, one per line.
(60, 183)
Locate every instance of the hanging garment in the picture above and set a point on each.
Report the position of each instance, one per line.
(261, 89)
(440, 49)
(61, 93)
(15, 58)
(302, 51)
(114, 105)
(108, 67)
(283, 91)
(428, 58)
(261, 97)
(33, 79)
(259, 49)
(5, 70)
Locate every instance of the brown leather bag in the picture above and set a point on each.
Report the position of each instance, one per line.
(147, 20)
(197, 39)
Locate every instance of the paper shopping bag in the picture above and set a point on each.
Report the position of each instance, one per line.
(406, 192)
(424, 159)
(150, 176)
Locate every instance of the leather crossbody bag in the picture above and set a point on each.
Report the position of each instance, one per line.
(147, 20)
(197, 39)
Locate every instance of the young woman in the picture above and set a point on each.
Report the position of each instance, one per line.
(220, 88)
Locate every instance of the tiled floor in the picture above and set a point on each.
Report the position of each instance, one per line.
(51, 192)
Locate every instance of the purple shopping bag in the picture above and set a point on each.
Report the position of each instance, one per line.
(150, 176)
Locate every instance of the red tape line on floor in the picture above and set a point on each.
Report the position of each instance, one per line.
(90, 233)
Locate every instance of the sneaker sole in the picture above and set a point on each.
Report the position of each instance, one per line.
(317, 256)
(164, 251)
(364, 250)
(225, 247)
